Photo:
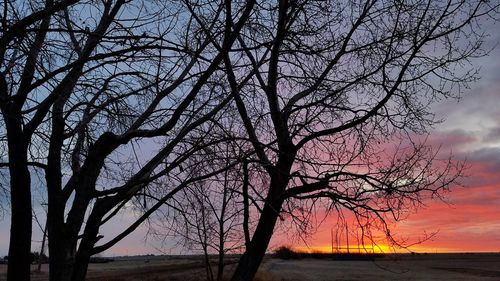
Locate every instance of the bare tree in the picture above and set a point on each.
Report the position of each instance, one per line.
(84, 85)
(336, 81)
(206, 217)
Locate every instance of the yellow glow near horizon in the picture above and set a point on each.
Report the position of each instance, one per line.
(377, 249)
(344, 249)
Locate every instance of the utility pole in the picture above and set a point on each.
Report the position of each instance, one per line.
(331, 238)
(347, 237)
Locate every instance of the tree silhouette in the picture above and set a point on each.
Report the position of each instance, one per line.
(114, 100)
(335, 82)
(84, 86)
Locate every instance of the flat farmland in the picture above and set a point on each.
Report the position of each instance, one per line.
(392, 267)
(398, 267)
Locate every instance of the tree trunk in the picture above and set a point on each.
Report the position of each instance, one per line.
(61, 260)
(61, 251)
(89, 239)
(250, 261)
(66, 263)
(220, 268)
(20, 196)
(42, 248)
(20, 227)
(81, 263)
(220, 264)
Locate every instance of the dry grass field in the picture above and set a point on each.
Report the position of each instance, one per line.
(457, 267)
(400, 267)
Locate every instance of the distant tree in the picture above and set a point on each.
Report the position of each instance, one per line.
(207, 216)
(285, 253)
(37, 257)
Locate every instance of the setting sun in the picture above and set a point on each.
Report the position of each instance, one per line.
(327, 249)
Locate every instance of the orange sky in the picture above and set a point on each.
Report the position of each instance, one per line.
(469, 221)
(471, 224)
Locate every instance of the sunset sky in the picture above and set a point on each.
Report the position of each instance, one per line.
(468, 222)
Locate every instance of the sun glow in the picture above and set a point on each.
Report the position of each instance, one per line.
(376, 249)
(341, 249)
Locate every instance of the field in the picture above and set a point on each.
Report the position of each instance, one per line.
(395, 267)
(401, 267)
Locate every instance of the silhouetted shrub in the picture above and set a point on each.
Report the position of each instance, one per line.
(285, 253)
(100, 260)
(35, 256)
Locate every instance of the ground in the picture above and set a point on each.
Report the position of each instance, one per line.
(407, 267)
(484, 267)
